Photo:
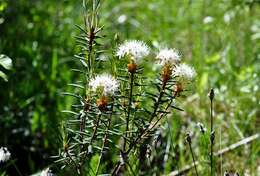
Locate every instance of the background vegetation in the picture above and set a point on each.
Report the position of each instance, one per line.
(220, 38)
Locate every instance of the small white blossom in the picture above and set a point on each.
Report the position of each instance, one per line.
(136, 49)
(208, 19)
(47, 172)
(184, 72)
(105, 82)
(228, 16)
(168, 56)
(121, 19)
(4, 154)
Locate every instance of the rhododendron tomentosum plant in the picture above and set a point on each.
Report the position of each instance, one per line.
(117, 114)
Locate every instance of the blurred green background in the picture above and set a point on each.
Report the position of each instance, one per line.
(220, 38)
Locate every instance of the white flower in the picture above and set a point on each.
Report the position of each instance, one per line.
(228, 16)
(136, 49)
(208, 19)
(168, 56)
(185, 72)
(4, 154)
(47, 172)
(105, 82)
(121, 19)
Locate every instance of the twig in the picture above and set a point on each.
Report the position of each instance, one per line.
(238, 144)
(219, 153)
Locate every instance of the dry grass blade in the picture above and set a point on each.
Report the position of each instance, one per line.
(220, 152)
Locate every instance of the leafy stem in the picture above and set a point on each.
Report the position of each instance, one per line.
(90, 46)
(140, 136)
(105, 138)
(77, 167)
(157, 103)
(149, 128)
(91, 139)
(130, 97)
(82, 129)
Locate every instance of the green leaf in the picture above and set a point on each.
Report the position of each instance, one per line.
(76, 85)
(213, 59)
(6, 62)
(3, 75)
(70, 112)
(203, 83)
(54, 64)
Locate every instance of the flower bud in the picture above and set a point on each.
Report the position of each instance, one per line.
(188, 138)
(102, 103)
(211, 94)
(166, 73)
(132, 67)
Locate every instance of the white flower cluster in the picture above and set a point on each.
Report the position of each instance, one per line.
(168, 56)
(183, 71)
(4, 154)
(105, 82)
(136, 49)
(47, 172)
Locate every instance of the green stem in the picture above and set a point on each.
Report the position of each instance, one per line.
(78, 170)
(129, 108)
(90, 47)
(105, 139)
(82, 127)
(147, 129)
(93, 137)
(212, 141)
(142, 134)
(157, 103)
(212, 135)
(193, 158)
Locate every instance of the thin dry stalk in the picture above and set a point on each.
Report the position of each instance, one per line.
(242, 142)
